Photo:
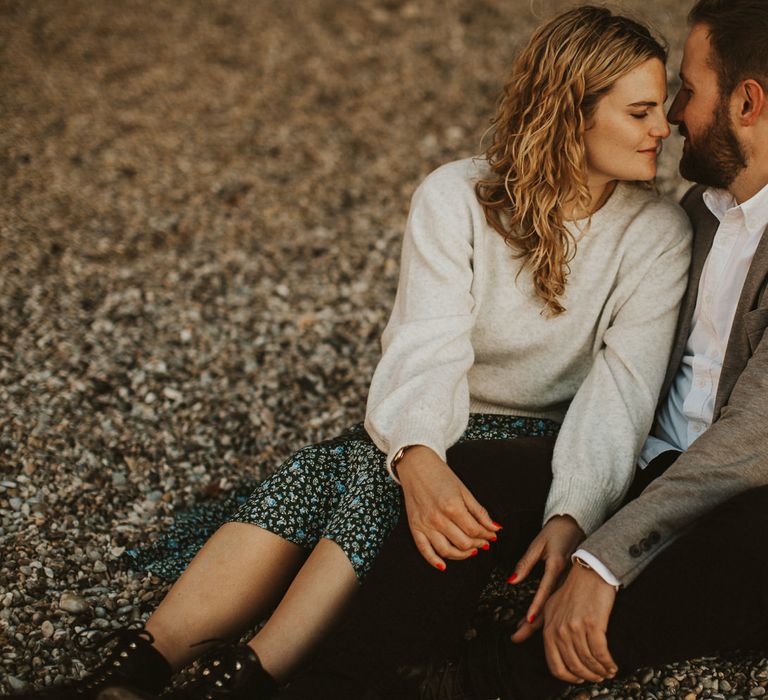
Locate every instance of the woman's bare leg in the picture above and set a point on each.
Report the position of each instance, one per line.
(235, 580)
(314, 601)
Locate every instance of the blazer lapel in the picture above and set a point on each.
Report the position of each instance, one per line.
(738, 351)
(704, 234)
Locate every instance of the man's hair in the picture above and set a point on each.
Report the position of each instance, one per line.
(738, 33)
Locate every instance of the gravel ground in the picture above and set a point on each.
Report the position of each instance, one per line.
(199, 236)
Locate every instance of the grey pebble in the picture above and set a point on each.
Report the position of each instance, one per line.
(73, 603)
(16, 684)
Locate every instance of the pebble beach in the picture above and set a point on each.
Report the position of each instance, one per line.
(201, 206)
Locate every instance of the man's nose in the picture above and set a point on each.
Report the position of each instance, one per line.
(675, 109)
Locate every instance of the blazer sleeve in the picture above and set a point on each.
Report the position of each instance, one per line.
(612, 411)
(729, 458)
(419, 393)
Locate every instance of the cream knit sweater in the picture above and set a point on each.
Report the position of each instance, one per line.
(467, 334)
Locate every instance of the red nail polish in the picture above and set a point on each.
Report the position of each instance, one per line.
(440, 566)
(531, 619)
(493, 538)
(501, 527)
(512, 578)
(474, 553)
(486, 546)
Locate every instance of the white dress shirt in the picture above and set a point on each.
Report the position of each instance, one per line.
(689, 408)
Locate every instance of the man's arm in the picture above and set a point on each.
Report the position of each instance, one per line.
(730, 458)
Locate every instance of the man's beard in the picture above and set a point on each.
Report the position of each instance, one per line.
(716, 158)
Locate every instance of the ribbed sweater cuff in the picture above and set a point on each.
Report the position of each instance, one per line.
(415, 430)
(580, 499)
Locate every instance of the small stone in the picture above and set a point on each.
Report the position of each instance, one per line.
(583, 694)
(73, 603)
(725, 686)
(647, 677)
(671, 683)
(47, 629)
(172, 394)
(99, 567)
(757, 692)
(16, 683)
(689, 696)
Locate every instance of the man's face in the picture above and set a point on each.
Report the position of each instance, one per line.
(712, 154)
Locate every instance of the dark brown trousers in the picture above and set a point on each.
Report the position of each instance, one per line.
(706, 592)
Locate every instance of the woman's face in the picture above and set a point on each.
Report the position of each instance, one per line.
(623, 138)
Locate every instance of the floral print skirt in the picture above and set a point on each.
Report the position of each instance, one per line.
(338, 489)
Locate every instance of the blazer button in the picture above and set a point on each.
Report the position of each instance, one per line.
(634, 551)
(654, 537)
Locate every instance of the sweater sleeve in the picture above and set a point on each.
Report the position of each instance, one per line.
(612, 411)
(419, 393)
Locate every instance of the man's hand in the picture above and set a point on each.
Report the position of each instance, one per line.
(445, 519)
(575, 625)
(554, 545)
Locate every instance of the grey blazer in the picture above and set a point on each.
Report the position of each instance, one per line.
(732, 455)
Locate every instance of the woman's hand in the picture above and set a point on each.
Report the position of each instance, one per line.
(445, 519)
(558, 539)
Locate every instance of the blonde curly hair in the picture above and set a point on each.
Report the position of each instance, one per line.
(537, 154)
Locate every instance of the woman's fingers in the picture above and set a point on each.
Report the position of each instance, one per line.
(458, 538)
(526, 563)
(445, 549)
(488, 527)
(426, 550)
(553, 569)
(526, 629)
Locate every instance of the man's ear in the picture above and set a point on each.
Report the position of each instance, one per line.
(751, 99)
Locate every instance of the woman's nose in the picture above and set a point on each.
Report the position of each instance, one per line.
(661, 128)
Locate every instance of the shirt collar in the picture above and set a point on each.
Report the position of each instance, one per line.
(754, 210)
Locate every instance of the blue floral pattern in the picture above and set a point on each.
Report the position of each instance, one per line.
(338, 489)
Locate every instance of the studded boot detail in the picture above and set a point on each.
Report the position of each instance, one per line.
(131, 670)
(231, 671)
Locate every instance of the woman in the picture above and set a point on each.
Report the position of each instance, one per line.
(538, 286)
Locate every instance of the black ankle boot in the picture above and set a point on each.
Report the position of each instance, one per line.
(231, 671)
(132, 668)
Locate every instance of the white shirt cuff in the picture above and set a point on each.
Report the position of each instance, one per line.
(597, 566)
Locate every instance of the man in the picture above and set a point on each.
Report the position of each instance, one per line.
(677, 572)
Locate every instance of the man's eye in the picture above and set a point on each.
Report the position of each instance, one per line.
(642, 115)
